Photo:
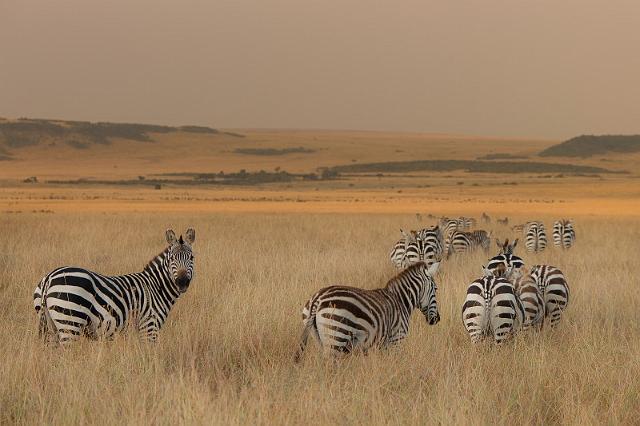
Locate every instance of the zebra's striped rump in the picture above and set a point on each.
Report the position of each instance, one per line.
(73, 301)
(492, 308)
(555, 290)
(535, 236)
(344, 319)
(531, 298)
(563, 233)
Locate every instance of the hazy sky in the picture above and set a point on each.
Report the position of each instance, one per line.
(542, 68)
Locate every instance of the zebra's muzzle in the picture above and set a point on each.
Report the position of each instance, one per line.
(433, 319)
(182, 282)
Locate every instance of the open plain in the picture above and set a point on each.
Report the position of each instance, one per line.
(226, 354)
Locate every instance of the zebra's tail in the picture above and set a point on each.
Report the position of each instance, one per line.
(46, 326)
(310, 327)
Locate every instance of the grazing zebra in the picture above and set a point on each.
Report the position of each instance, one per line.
(492, 308)
(417, 246)
(485, 218)
(563, 233)
(344, 319)
(504, 221)
(461, 241)
(535, 236)
(531, 298)
(72, 301)
(554, 288)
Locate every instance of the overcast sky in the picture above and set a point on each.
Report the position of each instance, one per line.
(532, 68)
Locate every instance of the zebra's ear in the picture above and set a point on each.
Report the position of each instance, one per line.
(191, 235)
(433, 268)
(515, 243)
(498, 243)
(486, 272)
(171, 236)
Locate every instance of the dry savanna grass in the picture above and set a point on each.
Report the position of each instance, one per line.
(225, 355)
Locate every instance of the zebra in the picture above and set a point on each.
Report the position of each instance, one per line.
(448, 227)
(506, 248)
(535, 236)
(492, 308)
(466, 223)
(504, 221)
(72, 301)
(461, 241)
(530, 296)
(345, 319)
(485, 218)
(502, 263)
(563, 233)
(417, 246)
(554, 288)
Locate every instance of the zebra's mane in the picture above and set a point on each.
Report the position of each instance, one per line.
(150, 264)
(402, 274)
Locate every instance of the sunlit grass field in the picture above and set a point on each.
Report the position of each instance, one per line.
(226, 354)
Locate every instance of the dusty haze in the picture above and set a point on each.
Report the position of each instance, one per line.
(539, 69)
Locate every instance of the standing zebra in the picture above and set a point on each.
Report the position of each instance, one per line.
(563, 233)
(518, 228)
(72, 301)
(466, 241)
(504, 221)
(554, 288)
(344, 319)
(492, 308)
(417, 246)
(448, 227)
(535, 236)
(485, 218)
(530, 296)
(466, 223)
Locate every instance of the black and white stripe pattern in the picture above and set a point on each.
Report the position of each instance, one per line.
(492, 308)
(530, 296)
(73, 301)
(535, 236)
(563, 233)
(555, 291)
(501, 264)
(466, 223)
(461, 241)
(344, 319)
(417, 246)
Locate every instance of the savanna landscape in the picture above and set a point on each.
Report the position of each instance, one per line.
(280, 214)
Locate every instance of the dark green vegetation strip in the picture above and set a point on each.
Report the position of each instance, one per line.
(273, 151)
(501, 156)
(589, 145)
(469, 166)
(26, 132)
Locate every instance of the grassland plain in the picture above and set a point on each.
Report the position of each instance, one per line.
(225, 355)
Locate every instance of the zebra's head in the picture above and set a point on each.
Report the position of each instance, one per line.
(428, 304)
(506, 248)
(180, 258)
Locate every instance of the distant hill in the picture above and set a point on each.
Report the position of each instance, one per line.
(79, 134)
(590, 145)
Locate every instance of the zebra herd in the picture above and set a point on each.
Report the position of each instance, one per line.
(72, 302)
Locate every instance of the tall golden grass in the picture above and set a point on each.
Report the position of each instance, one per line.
(225, 355)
